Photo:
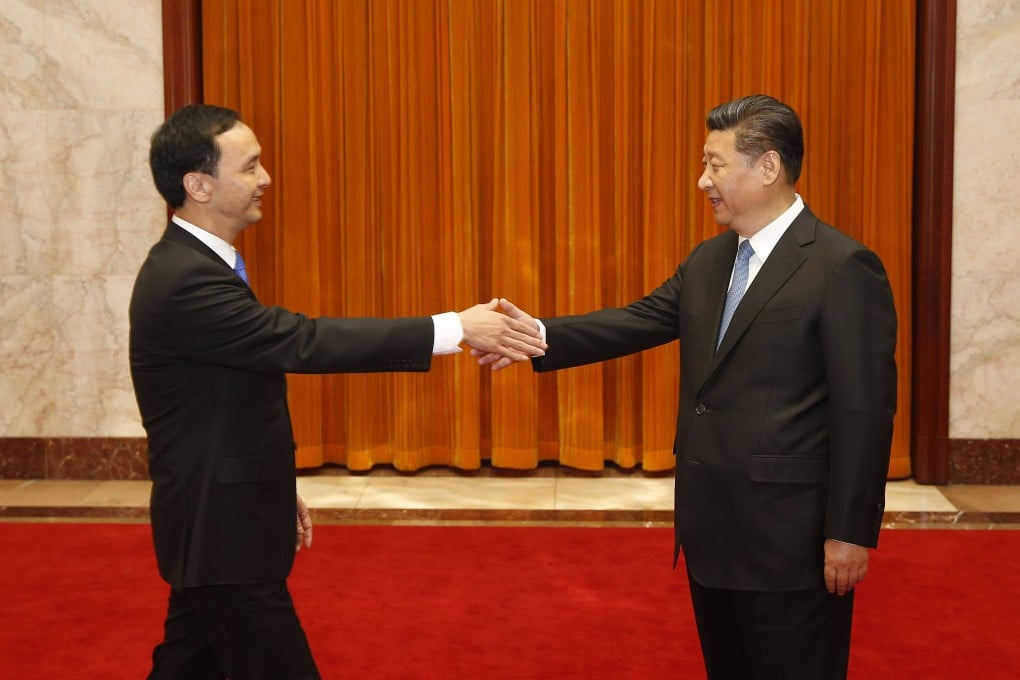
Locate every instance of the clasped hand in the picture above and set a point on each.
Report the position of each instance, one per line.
(499, 360)
(503, 337)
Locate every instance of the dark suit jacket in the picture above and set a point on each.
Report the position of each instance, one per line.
(208, 364)
(783, 434)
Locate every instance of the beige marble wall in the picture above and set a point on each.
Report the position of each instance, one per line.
(81, 90)
(985, 348)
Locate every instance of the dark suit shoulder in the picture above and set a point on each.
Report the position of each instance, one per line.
(722, 245)
(173, 266)
(807, 227)
(178, 247)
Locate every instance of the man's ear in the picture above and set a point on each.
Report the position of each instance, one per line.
(771, 167)
(196, 185)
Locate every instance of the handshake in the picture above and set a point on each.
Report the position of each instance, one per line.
(500, 338)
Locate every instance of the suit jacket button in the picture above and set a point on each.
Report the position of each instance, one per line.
(701, 409)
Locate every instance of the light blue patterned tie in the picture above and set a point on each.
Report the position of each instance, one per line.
(240, 269)
(736, 291)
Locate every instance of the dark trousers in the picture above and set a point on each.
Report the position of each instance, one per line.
(751, 635)
(243, 632)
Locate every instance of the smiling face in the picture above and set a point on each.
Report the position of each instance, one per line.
(240, 178)
(231, 199)
(736, 185)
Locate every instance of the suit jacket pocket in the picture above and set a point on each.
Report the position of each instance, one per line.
(789, 468)
(243, 469)
(779, 314)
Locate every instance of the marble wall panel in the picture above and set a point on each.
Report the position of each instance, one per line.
(81, 54)
(80, 93)
(97, 458)
(985, 308)
(22, 458)
(984, 461)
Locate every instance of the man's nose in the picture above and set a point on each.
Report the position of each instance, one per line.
(704, 182)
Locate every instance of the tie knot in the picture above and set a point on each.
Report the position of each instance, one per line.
(745, 251)
(738, 284)
(239, 267)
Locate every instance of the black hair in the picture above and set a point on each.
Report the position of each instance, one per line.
(762, 123)
(186, 142)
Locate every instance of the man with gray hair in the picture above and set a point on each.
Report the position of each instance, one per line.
(787, 331)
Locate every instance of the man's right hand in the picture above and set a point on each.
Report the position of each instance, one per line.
(503, 337)
(501, 361)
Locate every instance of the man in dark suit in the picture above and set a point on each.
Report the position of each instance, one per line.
(208, 364)
(785, 414)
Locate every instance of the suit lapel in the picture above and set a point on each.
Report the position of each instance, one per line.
(784, 260)
(178, 235)
(721, 268)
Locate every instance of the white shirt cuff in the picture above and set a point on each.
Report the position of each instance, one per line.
(541, 328)
(448, 333)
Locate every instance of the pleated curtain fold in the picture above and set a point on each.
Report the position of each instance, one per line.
(433, 154)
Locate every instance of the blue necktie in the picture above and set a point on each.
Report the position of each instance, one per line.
(239, 268)
(736, 291)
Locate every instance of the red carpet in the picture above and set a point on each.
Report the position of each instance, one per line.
(490, 603)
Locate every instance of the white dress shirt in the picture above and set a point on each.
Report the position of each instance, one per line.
(764, 242)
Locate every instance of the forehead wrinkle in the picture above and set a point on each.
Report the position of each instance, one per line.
(711, 153)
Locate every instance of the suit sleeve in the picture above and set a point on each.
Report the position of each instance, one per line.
(215, 319)
(613, 332)
(858, 331)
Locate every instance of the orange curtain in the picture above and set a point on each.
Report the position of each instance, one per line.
(429, 155)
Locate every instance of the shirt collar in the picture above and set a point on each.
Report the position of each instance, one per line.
(766, 239)
(226, 251)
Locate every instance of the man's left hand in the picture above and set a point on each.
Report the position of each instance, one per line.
(489, 331)
(845, 565)
(304, 525)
